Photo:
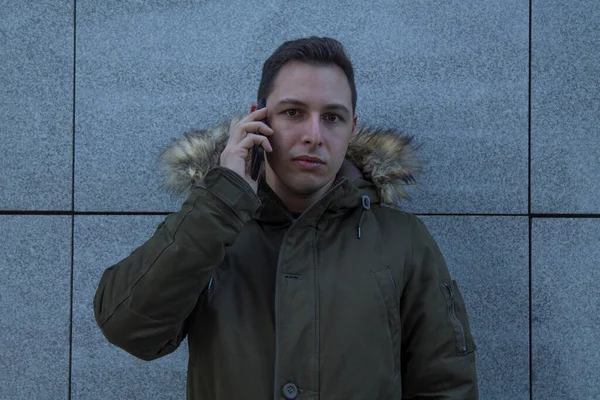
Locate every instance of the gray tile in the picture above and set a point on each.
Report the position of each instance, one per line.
(36, 85)
(146, 74)
(565, 107)
(566, 308)
(100, 370)
(488, 256)
(35, 276)
(453, 74)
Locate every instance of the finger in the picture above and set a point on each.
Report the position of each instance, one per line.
(256, 127)
(253, 139)
(259, 114)
(256, 115)
(242, 128)
(250, 128)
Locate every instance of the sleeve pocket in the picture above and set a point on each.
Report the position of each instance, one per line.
(457, 316)
(388, 288)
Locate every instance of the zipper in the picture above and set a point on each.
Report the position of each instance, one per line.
(277, 275)
(214, 283)
(388, 289)
(209, 292)
(452, 310)
(277, 201)
(276, 391)
(280, 206)
(395, 288)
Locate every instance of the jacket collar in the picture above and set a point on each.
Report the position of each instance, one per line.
(380, 161)
(344, 194)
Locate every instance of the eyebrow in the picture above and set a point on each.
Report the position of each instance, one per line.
(331, 106)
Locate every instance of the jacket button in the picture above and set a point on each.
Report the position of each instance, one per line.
(290, 391)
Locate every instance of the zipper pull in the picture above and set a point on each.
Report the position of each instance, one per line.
(366, 202)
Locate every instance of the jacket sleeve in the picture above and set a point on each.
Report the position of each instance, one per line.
(143, 302)
(438, 350)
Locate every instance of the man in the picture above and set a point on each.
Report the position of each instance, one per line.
(309, 284)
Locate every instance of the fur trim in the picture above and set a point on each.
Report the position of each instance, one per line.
(384, 157)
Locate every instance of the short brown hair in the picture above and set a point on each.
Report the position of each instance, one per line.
(313, 50)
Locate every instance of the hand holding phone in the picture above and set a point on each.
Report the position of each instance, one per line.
(248, 135)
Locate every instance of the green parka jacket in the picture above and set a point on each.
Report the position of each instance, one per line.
(350, 300)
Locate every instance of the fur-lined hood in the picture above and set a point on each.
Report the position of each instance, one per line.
(383, 156)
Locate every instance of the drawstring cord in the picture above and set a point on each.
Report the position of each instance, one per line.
(366, 204)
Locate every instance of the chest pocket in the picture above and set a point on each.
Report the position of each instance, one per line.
(207, 295)
(389, 293)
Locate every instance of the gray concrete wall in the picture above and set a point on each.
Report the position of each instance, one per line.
(502, 95)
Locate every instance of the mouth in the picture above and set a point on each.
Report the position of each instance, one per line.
(309, 159)
(308, 162)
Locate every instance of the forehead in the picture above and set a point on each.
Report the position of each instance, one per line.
(312, 84)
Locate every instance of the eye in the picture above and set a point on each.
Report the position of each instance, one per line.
(292, 113)
(333, 118)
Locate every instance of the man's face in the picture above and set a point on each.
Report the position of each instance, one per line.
(310, 110)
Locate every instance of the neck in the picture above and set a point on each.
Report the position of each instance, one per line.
(295, 202)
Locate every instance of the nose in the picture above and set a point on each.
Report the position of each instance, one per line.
(312, 134)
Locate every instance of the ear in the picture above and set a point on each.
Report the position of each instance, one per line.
(254, 106)
(354, 122)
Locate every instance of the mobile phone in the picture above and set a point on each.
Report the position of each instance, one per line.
(258, 152)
